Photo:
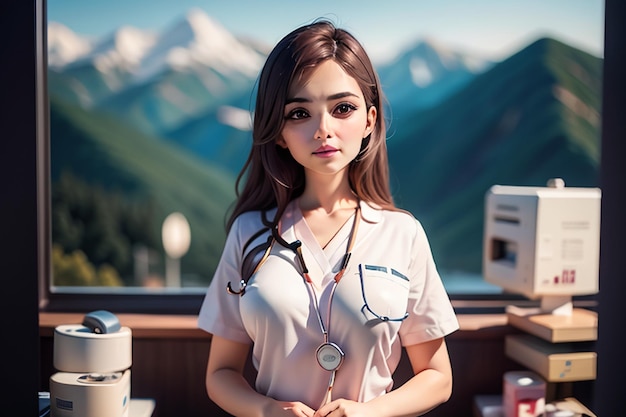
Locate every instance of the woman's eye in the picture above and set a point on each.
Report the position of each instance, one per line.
(345, 109)
(297, 114)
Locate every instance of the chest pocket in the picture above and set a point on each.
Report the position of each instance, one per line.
(385, 293)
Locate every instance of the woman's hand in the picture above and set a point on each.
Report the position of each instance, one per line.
(430, 386)
(345, 408)
(296, 408)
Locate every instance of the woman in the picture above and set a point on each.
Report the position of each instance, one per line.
(321, 275)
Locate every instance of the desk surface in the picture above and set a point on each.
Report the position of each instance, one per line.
(186, 326)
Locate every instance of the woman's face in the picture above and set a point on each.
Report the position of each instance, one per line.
(326, 119)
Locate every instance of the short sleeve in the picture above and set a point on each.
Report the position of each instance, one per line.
(431, 314)
(219, 313)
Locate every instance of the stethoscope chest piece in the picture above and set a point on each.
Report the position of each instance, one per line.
(329, 356)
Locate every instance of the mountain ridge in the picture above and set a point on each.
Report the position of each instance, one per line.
(504, 122)
(162, 87)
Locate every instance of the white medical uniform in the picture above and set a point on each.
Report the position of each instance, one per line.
(276, 314)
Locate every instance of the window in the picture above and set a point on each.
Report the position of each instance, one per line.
(149, 122)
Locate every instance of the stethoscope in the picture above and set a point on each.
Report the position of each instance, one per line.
(329, 355)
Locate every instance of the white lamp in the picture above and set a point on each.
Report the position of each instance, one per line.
(176, 236)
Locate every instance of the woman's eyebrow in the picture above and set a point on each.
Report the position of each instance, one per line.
(329, 98)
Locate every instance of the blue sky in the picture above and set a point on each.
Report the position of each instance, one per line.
(494, 28)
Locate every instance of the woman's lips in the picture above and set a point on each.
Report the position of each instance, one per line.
(325, 151)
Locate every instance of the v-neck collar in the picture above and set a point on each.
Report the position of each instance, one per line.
(323, 263)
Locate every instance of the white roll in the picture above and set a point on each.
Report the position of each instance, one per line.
(90, 395)
(78, 349)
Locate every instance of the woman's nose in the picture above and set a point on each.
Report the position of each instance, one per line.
(323, 128)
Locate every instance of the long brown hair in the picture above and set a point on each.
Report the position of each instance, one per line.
(272, 177)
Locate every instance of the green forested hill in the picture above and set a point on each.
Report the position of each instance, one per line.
(128, 169)
(532, 117)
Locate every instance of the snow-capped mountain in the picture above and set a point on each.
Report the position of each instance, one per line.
(155, 81)
(65, 46)
(87, 70)
(425, 74)
(195, 41)
(199, 41)
(125, 48)
(160, 82)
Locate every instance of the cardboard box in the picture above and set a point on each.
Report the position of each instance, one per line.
(555, 362)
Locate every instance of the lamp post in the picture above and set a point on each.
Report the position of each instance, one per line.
(176, 236)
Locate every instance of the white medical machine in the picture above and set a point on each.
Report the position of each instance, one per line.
(543, 242)
(93, 360)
